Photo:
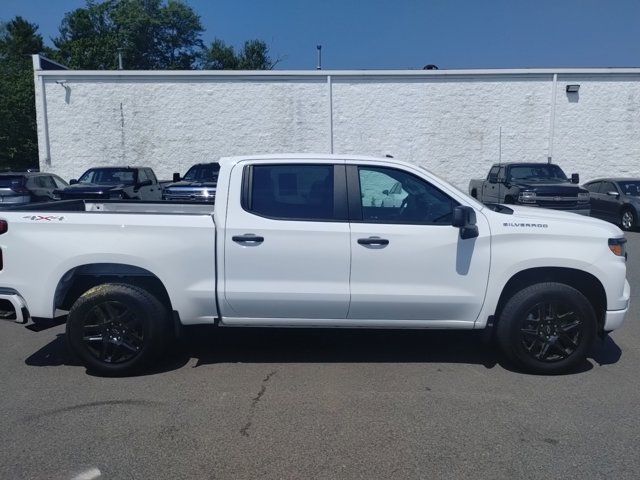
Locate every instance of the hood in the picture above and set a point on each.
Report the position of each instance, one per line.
(85, 188)
(194, 184)
(527, 219)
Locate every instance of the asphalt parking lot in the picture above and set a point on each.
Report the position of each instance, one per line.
(321, 404)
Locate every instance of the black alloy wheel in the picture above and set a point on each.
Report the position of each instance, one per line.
(118, 329)
(112, 332)
(551, 331)
(547, 328)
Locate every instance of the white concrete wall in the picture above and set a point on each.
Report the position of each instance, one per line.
(449, 123)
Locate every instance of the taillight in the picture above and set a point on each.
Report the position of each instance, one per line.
(4, 226)
(1, 262)
(20, 189)
(18, 186)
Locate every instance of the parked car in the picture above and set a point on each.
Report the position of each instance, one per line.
(616, 200)
(26, 187)
(291, 242)
(198, 184)
(533, 184)
(135, 183)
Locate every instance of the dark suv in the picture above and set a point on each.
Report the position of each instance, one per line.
(18, 188)
(199, 184)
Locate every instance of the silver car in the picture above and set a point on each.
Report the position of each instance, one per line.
(18, 188)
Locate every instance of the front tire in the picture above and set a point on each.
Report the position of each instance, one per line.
(117, 329)
(547, 328)
(628, 220)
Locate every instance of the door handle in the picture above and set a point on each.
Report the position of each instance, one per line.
(248, 239)
(373, 241)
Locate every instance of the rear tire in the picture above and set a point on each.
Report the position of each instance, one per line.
(547, 328)
(117, 329)
(628, 220)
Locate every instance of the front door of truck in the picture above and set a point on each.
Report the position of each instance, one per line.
(408, 262)
(286, 242)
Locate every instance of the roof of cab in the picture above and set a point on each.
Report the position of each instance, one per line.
(307, 156)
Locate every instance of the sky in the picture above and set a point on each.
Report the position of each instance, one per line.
(400, 34)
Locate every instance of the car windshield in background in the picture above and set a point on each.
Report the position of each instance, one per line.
(8, 181)
(537, 172)
(630, 188)
(202, 173)
(108, 176)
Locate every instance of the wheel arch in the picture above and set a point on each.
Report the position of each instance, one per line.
(81, 278)
(584, 282)
(628, 206)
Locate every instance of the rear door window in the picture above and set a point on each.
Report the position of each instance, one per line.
(291, 192)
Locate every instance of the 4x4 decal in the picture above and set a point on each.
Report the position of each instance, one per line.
(45, 218)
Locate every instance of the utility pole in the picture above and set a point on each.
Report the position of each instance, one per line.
(120, 67)
(319, 47)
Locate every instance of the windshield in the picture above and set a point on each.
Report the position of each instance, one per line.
(203, 173)
(630, 188)
(108, 176)
(537, 172)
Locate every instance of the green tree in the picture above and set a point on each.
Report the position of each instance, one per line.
(18, 137)
(253, 56)
(152, 34)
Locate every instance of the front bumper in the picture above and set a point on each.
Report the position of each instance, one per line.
(614, 319)
(21, 312)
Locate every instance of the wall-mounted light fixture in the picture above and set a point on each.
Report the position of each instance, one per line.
(573, 88)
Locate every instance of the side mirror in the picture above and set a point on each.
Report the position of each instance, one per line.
(146, 183)
(73, 181)
(385, 192)
(464, 218)
(575, 178)
(176, 177)
(493, 178)
(613, 194)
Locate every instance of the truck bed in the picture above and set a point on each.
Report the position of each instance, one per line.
(117, 206)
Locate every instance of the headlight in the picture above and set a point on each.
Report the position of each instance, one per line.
(527, 197)
(583, 196)
(618, 246)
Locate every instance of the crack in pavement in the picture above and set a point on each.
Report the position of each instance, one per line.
(263, 388)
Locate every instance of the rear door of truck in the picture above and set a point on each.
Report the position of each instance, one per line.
(286, 241)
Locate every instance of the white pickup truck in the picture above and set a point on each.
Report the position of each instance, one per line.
(309, 241)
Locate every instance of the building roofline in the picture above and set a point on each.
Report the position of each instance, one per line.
(323, 74)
